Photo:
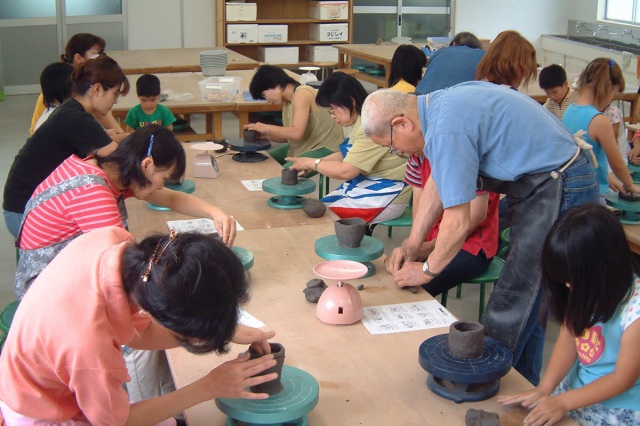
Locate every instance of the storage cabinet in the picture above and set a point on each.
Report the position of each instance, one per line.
(296, 15)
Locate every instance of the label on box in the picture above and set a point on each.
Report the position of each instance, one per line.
(242, 33)
(329, 32)
(273, 33)
(329, 10)
(241, 11)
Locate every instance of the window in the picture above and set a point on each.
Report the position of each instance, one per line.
(623, 11)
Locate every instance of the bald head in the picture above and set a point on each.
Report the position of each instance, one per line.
(384, 105)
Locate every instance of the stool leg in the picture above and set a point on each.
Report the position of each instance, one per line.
(459, 291)
(326, 189)
(481, 310)
(389, 231)
(443, 298)
(320, 185)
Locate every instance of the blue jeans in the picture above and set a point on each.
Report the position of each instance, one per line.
(579, 187)
(13, 221)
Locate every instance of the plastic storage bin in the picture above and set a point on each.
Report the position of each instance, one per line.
(219, 89)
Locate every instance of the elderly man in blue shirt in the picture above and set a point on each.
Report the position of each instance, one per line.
(479, 135)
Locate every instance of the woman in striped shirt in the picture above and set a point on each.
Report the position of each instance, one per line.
(84, 194)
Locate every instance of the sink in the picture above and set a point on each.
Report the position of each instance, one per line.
(600, 42)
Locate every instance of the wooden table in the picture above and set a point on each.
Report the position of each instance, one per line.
(380, 54)
(151, 61)
(249, 208)
(187, 83)
(364, 379)
(184, 83)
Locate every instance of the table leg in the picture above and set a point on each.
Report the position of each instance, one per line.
(243, 119)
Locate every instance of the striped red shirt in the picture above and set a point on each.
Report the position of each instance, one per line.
(83, 209)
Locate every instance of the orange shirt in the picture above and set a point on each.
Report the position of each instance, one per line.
(62, 359)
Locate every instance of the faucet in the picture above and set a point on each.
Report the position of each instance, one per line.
(601, 29)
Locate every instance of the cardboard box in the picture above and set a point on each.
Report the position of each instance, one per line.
(241, 11)
(329, 32)
(242, 33)
(278, 55)
(329, 10)
(322, 54)
(273, 33)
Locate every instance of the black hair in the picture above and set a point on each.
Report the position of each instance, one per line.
(586, 248)
(269, 77)
(194, 289)
(79, 44)
(552, 76)
(407, 64)
(103, 70)
(148, 85)
(55, 82)
(342, 90)
(165, 152)
(466, 39)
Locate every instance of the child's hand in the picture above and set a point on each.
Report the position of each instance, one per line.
(547, 410)
(526, 399)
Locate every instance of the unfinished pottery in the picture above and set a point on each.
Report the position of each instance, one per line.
(314, 208)
(314, 290)
(274, 386)
(466, 339)
(249, 135)
(350, 232)
(289, 177)
(481, 418)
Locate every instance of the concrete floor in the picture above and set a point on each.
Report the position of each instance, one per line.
(15, 116)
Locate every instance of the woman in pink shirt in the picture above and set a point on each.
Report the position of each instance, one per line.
(62, 362)
(82, 195)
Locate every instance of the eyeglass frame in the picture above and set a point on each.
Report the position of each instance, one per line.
(392, 150)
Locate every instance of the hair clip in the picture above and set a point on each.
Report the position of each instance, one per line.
(611, 62)
(154, 259)
(150, 146)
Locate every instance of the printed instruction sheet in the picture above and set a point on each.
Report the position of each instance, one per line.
(253, 184)
(203, 226)
(403, 317)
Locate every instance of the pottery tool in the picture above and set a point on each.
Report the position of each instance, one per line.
(187, 186)
(287, 196)
(369, 250)
(464, 380)
(340, 303)
(290, 406)
(248, 151)
(630, 210)
(206, 165)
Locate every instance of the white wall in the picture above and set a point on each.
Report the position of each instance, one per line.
(487, 18)
(158, 24)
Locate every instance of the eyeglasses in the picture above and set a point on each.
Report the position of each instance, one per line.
(392, 150)
(154, 259)
(331, 110)
(115, 92)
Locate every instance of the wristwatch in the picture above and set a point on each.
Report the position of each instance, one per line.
(315, 166)
(426, 271)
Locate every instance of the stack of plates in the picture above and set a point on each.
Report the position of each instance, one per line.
(213, 62)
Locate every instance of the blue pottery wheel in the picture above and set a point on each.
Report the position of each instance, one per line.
(245, 256)
(630, 209)
(298, 397)
(187, 186)
(474, 379)
(287, 196)
(370, 249)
